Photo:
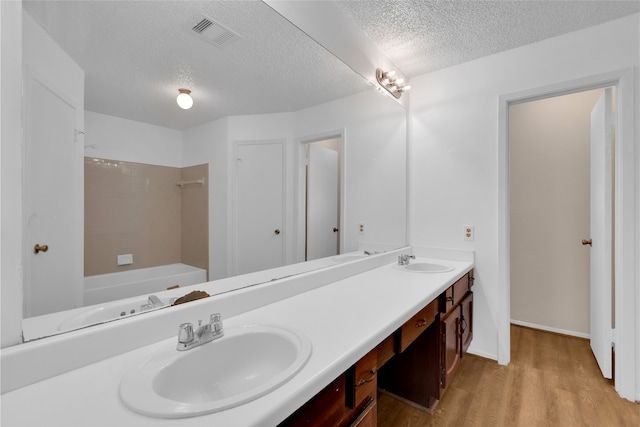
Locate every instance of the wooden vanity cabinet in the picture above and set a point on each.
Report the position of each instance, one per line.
(421, 373)
(349, 401)
(420, 360)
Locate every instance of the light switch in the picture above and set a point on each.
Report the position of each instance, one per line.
(125, 259)
(469, 232)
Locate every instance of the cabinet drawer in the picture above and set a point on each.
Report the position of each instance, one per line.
(416, 325)
(454, 294)
(364, 380)
(386, 350)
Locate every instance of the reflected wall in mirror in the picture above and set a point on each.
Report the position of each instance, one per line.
(148, 187)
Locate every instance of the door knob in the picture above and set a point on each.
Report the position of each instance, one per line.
(335, 229)
(277, 231)
(586, 242)
(38, 248)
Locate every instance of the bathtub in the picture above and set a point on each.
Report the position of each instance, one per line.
(104, 288)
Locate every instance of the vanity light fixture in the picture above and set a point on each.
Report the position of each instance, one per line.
(184, 99)
(387, 80)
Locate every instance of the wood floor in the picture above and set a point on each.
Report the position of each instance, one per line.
(552, 380)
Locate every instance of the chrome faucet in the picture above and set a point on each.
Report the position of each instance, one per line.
(404, 259)
(188, 339)
(153, 303)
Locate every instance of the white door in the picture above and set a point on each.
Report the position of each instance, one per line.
(601, 230)
(322, 203)
(53, 275)
(259, 207)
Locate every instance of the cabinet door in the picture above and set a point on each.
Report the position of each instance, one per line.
(450, 350)
(466, 323)
(327, 408)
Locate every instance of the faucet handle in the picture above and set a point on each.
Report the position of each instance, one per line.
(185, 333)
(216, 323)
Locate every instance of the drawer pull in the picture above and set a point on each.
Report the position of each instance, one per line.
(422, 322)
(367, 380)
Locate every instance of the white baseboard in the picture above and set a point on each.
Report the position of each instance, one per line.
(550, 329)
(482, 354)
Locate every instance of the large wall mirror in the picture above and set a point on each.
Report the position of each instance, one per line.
(287, 157)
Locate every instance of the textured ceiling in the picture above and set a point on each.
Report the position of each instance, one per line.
(136, 54)
(423, 36)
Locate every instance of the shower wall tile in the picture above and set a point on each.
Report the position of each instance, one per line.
(130, 208)
(195, 217)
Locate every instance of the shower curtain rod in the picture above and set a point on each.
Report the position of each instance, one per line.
(183, 183)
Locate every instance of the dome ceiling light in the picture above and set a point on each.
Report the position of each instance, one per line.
(184, 99)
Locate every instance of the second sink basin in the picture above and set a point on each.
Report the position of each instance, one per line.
(248, 362)
(424, 267)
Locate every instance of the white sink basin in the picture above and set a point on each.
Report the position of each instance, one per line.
(248, 362)
(424, 267)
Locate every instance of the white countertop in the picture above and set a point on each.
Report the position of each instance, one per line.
(344, 320)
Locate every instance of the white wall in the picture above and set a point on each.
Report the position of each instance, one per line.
(375, 151)
(11, 172)
(116, 138)
(208, 144)
(549, 194)
(375, 155)
(454, 161)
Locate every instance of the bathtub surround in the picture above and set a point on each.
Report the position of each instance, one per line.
(194, 217)
(105, 288)
(135, 208)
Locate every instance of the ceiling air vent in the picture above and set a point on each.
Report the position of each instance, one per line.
(212, 31)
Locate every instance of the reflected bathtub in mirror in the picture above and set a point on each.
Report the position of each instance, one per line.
(323, 103)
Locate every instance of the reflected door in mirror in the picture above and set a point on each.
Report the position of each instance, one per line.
(323, 212)
(259, 207)
(52, 206)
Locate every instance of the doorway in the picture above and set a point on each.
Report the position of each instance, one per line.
(320, 195)
(559, 282)
(626, 226)
(322, 219)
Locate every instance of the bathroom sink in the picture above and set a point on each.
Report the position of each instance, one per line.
(424, 267)
(246, 363)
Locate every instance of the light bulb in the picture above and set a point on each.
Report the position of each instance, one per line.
(184, 99)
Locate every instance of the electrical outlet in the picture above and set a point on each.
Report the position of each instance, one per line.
(469, 232)
(125, 259)
(360, 228)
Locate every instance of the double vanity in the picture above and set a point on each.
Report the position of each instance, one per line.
(316, 352)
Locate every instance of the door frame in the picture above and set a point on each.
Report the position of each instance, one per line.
(301, 187)
(627, 294)
(232, 262)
